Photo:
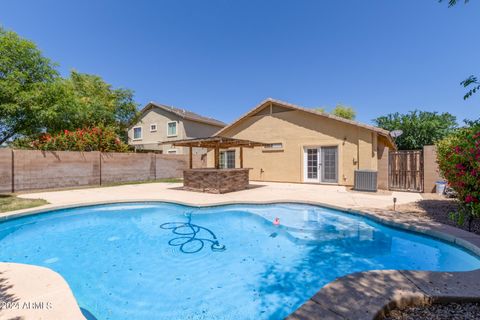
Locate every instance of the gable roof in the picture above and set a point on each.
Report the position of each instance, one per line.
(184, 114)
(287, 105)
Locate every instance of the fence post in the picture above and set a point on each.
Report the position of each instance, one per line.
(13, 172)
(155, 166)
(100, 166)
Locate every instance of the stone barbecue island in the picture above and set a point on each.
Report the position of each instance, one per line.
(217, 179)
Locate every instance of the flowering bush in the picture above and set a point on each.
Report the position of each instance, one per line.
(459, 162)
(91, 139)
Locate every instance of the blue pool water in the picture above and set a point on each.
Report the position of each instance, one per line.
(139, 261)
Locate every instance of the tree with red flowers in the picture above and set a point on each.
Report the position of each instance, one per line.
(459, 162)
(102, 139)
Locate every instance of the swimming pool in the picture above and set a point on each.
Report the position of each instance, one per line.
(168, 261)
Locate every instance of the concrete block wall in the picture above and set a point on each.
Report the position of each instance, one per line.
(124, 167)
(22, 170)
(170, 166)
(54, 169)
(6, 170)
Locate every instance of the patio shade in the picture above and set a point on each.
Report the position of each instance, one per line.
(216, 143)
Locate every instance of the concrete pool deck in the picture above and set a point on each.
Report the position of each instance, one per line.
(258, 192)
(365, 295)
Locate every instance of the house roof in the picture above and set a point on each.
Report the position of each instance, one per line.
(287, 105)
(184, 114)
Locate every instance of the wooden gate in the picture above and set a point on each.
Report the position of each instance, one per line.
(405, 170)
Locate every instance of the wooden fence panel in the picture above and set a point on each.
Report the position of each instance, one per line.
(406, 171)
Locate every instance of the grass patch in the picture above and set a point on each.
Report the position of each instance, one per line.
(170, 180)
(166, 180)
(11, 203)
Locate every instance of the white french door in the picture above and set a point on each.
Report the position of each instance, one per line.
(320, 164)
(311, 164)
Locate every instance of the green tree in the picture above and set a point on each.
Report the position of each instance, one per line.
(473, 83)
(320, 109)
(24, 75)
(340, 111)
(419, 128)
(35, 99)
(451, 3)
(344, 112)
(85, 101)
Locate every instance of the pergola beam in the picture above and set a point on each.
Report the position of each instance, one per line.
(214, 142)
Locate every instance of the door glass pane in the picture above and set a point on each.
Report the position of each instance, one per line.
(231, 159)
(312, 163)
(222, 160)
(227, 159)
(329, 164)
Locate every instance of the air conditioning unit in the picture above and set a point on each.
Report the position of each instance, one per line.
(365, 180)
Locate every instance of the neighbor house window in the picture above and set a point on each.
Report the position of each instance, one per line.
(153, 127)
(137, 133)
(172, 151)
(278, 145)
(172, 129)
(227, 159)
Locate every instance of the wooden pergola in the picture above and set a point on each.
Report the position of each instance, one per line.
(216, 143)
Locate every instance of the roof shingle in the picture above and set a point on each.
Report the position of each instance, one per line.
(185, 114)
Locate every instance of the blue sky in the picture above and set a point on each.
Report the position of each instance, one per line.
(220, 58)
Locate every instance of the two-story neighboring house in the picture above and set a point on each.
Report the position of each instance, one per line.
(160, 123)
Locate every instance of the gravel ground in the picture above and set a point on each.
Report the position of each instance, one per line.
(450, 311)
(437, 208)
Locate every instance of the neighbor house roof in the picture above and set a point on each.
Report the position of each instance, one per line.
(184, 114)
(287, 105)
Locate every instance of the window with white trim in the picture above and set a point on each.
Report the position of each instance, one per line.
(137, 133)
(153, 127)
(277, 145)
(172, 129)
(172, 151)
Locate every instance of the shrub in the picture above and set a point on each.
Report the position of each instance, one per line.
(90, 139)
(459, 162)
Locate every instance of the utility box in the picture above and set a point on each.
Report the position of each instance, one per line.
(365, 180)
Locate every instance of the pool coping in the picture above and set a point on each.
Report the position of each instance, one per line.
(363, 295)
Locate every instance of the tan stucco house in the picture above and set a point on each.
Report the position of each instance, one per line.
(306, 146)
(160, 123)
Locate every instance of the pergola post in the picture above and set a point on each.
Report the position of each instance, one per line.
(241, 157)
(190, 157)
(217, 158)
